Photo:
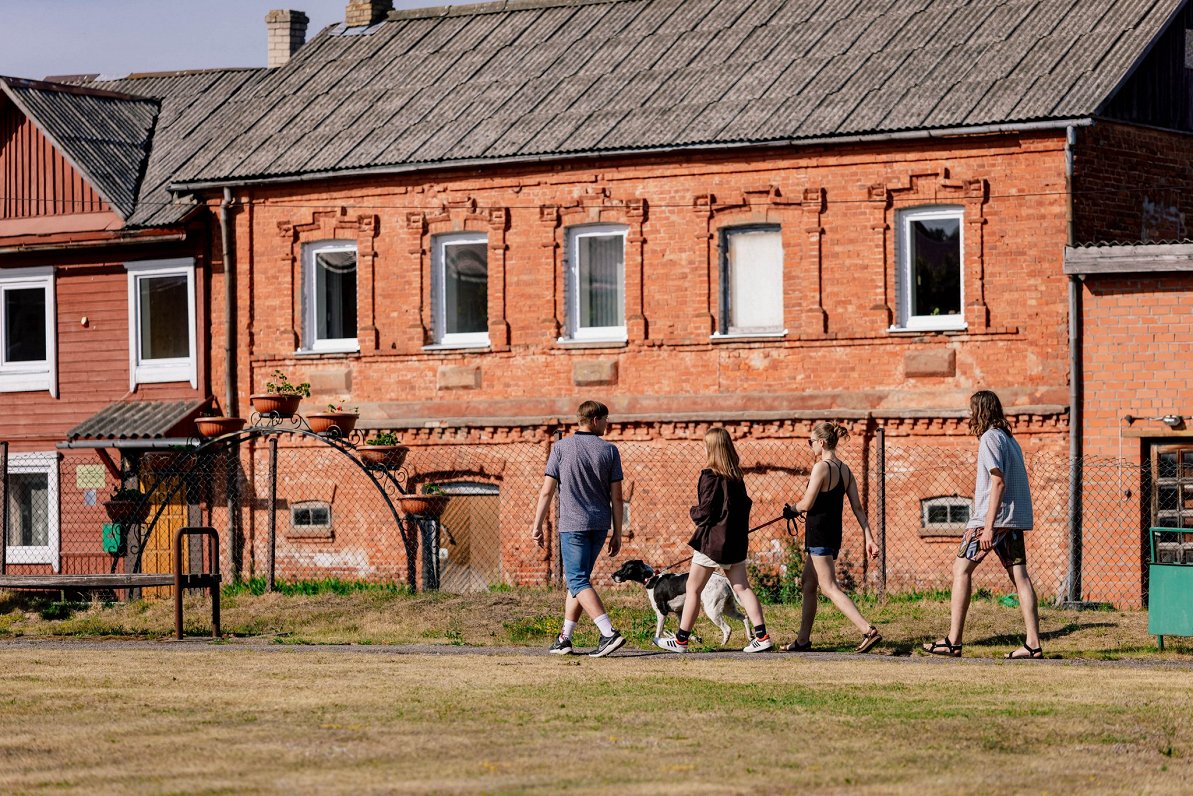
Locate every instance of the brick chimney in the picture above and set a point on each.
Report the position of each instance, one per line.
(367, 12)
(287, 32)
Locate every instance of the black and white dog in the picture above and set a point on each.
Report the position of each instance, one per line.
(667, 592)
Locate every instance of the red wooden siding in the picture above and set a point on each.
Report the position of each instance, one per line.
(35, 179)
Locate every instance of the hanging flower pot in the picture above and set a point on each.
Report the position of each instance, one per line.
(391, 456)
(335, 417)
(215, 426)
(275, 405)
(431, 506)
(127, 506)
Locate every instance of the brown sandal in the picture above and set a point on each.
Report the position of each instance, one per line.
(871, 638)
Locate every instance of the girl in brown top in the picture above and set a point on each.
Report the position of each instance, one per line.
(830, 481)
(721, 540)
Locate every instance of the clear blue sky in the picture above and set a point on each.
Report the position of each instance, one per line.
(116, 37)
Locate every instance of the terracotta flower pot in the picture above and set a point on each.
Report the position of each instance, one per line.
(322, 422)
(424, 505)
(391, 456)
(127, 511)
(215, 426)
(276, 405)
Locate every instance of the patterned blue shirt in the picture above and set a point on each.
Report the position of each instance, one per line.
(586, 467)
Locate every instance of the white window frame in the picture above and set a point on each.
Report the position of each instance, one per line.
(572, 331)
(928, 323)
(439, 244)
(310, 343)
(31, 376)
(944, 500)
(47, 463)
(725, 300)
(160, 371)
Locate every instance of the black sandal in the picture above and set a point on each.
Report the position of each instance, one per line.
(796, 646)
(1033, 654)
(944, 647)
(871, 638)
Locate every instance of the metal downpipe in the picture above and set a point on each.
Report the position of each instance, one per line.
(1076, 391)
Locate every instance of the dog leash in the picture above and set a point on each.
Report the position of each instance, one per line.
(790, 514)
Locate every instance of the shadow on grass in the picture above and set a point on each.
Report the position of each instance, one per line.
(1045, 635)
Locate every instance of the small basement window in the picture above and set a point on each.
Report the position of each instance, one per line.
(310, 519)
(944, 516)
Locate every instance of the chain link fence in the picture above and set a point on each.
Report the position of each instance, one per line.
(298, 512)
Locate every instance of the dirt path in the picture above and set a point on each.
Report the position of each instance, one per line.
(171, 646)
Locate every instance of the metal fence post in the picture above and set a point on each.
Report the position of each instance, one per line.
(880, 518)
(4, 509)
(273, 511)
(1075, 535)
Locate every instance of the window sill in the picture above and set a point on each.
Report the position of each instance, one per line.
(478, 348)
(568, 342)
(25, 382)
(735, 337)
(311, 534)
(942, 533)
(915, 331)
(306, 353)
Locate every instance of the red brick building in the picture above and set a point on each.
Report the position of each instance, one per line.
(466, 220)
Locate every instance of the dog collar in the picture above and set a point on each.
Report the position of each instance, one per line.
(650, 583)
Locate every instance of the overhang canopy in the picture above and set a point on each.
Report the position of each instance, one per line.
(137, 424)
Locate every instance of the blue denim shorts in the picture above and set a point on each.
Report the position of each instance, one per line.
(824, 551)
(579, 550)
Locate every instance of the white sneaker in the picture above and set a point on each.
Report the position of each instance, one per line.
(670, 644)
(759, 645)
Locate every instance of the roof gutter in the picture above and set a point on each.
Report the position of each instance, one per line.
(93, 244)
(906, 135)
(135, 444)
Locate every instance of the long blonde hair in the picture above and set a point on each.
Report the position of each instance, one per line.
(722, 456)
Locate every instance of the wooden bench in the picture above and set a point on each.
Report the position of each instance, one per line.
(181, 581)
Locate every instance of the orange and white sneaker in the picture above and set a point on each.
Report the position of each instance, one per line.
(759, 645)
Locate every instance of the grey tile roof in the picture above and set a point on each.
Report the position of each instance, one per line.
(189, 102)
(105, 135)
(139, 420)
(551, 78)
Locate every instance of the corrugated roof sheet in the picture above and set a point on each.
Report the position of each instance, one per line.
(105, 135)
(139, 420)
(556, 77)
(188, 121)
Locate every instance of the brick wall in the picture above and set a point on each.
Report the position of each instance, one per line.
(1138, 361)
(1131, 184)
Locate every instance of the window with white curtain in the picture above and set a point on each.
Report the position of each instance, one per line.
(929, 277)
(751, 281)
(27, 330)
(161, 311)
(33, 509)
(329, 296)
(460, 289)
(595, 280)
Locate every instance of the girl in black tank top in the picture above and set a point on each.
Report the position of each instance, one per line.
(823, 501)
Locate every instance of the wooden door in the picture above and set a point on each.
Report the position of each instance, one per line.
(158, 555)
(470, 540)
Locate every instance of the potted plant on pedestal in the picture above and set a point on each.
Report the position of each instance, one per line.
(336, 417)
(385, 450)
(281, 396)
(127, 506)
(209, 424)
(431, 503)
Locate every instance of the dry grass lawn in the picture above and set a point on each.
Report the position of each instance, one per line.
(110, 717)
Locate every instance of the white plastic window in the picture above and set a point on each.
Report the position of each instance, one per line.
(28, 347)
(460, 289)
(33, 509)
(930, 277)
(161, 327)
(329, 297)
(949, 513)
(595, 280)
